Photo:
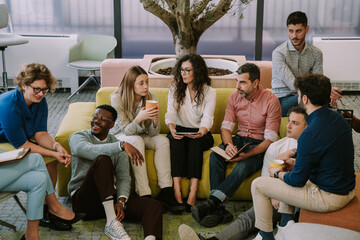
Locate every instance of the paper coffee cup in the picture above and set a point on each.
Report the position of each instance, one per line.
(150, 104)
(276, 163)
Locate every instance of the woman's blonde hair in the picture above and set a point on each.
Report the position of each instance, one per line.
(126, 96)
(35, 71)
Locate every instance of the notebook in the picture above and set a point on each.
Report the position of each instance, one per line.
(13, 156)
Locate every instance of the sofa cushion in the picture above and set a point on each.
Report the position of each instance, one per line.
(306, 231)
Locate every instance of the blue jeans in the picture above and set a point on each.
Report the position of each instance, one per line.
(223, 188)
(29, 175)
(287, 103)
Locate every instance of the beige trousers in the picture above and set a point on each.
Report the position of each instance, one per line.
(161, 145)
(309, 197)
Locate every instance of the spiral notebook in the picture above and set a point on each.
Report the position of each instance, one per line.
(13, 156)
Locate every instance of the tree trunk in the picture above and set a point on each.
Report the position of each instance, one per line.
(185, 43)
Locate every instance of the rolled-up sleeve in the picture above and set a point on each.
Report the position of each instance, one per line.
(273, 119)
(207, 119)
(170, 115)
(230, 114)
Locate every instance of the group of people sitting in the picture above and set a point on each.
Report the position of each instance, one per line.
(102, 156)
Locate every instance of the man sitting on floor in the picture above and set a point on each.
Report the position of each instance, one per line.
(322, 179)
(98, 157)
(245, 222)
(259, 114)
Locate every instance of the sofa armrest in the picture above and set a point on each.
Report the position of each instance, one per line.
(77, 118)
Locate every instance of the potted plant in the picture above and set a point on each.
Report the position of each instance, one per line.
(188, 20)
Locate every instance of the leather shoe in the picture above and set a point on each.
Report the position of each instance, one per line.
(78, 216)
(54, 225)
(167, 199)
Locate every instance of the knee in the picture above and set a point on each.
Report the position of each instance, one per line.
(138, 142)
(162, 142)
(37, 160)
(103, 161)
(255, 185)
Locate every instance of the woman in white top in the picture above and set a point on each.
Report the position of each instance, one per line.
(191, 105)
(140, 127)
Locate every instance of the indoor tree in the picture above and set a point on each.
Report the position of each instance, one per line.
(189, 19)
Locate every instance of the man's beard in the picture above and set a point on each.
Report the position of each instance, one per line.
(302, 105)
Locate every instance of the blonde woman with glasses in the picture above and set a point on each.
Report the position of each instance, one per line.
(140, 127)
(190, 116)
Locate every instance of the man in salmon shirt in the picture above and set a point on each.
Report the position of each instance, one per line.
(258, 113)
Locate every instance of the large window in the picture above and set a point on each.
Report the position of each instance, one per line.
(143, 33)
(325, 18)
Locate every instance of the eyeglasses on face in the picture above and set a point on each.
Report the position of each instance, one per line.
(38, 90)
(187, 71)
(100, 118)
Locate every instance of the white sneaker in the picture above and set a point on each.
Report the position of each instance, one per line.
(187, 233)
(258, 237)
(281, 229)
(115, 231)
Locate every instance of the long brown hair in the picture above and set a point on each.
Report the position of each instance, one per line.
(126, 96)
(201, 78)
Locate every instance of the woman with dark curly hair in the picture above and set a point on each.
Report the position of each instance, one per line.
(190, 115)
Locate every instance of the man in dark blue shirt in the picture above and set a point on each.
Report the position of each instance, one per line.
(322, 179)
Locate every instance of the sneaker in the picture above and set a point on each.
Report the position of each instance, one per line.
(258, 237)
(218, 216)
(187, 233)
(203, 209)
(115, 231)
(167, 199)
(281, 229)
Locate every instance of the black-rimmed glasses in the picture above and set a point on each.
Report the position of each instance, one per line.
(38, 90)
(187, 71)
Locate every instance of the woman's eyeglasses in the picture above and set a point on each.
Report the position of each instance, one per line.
(187, 71)
(38, 90)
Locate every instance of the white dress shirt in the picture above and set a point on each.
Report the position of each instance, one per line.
(190, 114)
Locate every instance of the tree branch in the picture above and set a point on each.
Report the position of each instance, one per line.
(153, 7)
(199, 8)
(212, 16)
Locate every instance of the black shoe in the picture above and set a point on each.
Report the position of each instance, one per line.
(218, 216)
(167, 199)
(23, 237)
(203, 209)
(78, 216)
(54, 225)
(188, 207)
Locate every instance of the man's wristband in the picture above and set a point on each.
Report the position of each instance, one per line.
(276, 174)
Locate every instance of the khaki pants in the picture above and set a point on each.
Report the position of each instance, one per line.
(160, 144)
(309, 197)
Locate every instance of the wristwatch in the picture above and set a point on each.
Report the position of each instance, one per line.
(276, 174)
(294, 150)
(122, 203)
(122, 145)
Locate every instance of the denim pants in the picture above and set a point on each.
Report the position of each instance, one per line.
(31, 176)
(287, 103)
(224, 187)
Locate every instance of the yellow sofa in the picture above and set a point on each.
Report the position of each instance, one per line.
(79, 115)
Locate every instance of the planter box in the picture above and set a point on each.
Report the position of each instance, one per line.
(160, 81)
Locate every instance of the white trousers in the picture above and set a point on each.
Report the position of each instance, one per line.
(161, 145)
(309, 197)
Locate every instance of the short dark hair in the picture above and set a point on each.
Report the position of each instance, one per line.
(316, 87)
(110, 109)
(299, 110)
(252, 69)
(297, 18)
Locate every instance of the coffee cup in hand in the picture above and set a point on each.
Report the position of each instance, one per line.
(150, 104)
(276, 163)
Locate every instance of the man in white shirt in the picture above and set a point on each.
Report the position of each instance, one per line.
(245, 222)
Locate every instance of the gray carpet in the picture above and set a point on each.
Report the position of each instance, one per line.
(58, 106)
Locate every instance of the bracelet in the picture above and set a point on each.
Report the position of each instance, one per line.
(55, 143)
(276, 174)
